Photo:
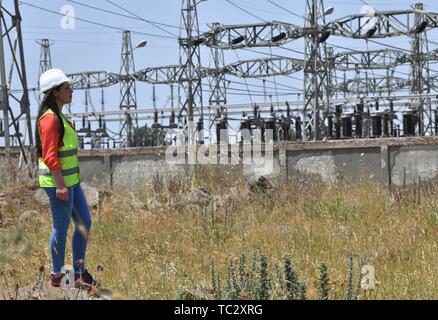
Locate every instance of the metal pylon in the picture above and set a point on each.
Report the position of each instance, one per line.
(128, 94)
(316, 97)
(420, 75)
(217, 81)
(190, 91)
(10, 25)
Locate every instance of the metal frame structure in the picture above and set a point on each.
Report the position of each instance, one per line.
(128, 91)
(10, 25)
(331, 77)
(190, 91)
(45, 56)
(316, 72)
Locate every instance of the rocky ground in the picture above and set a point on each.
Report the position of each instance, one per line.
(30, 204)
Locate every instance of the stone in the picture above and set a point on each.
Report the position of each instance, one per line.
(286, 230)
(177, 201)
(154, 204)
(342, 231)
(3, 203)
(16, 202)
(260, 185)
(30, 215)
(137, 205)
(416, 232)
(32, 184)
(92, 195)
(47, 292)
(41, 197)
(231, 196)
(198, 196)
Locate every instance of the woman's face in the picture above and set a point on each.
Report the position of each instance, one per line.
(65, 94)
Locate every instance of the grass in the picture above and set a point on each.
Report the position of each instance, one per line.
(299, 240)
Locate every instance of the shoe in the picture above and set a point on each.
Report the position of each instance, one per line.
(55, 280)
(85, 281)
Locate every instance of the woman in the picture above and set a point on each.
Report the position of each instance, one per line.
(57, 145)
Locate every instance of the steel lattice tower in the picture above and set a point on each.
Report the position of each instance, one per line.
(218, 95)
(190, 91)
(13, 24)
(420, 74)
(315, 73)
(45, 57)
(218, 90)
(128, 94)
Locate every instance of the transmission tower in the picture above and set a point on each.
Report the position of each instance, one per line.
(315, 71)
(10, 20)
(45, 57)
(190, 91)
(127, 90)
(420, 74)
(218, 91)
(218, 94)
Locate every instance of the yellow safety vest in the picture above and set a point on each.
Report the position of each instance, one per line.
(68, 156)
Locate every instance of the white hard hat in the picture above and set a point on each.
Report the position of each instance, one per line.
(51, 79)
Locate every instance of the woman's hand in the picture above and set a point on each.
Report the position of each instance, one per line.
(62, 193)
(61, 189)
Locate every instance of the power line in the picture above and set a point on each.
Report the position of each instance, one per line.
(357, 51)
(78, 28)
(270, 50)
(132, 16)
(156, 25)
(255, 93)
(72, 34)
(244, 10)
(275, 82)
(257, 86)
(79, 42)
(95, 23)
(246, 82)
(292, 13)
(271, 55)
(261, 10)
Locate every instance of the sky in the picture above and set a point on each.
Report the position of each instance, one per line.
(91, 47)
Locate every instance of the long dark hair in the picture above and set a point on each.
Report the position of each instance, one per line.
(48, 102)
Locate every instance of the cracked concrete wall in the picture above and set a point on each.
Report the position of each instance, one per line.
(332, 165)
(413, 163)
(94, 172)
(396, 161)
(407, 164)
(135, 172)
(267, 165)
(129, 172)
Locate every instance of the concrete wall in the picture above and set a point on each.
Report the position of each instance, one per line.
(399, 162)
(331, 165)
(411, 164)
(126, 169)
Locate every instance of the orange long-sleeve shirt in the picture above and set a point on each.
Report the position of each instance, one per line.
(49, 133)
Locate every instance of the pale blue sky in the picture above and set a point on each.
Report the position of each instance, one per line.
(91, 47)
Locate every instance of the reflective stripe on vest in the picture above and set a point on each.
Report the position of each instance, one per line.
(66, 172)
(68, 157)
(67, 153)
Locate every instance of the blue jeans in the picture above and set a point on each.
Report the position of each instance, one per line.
(75, 208)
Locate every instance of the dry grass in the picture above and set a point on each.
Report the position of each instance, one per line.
(161, 252)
